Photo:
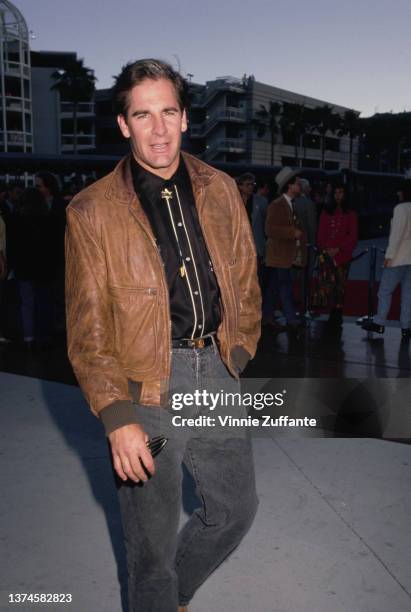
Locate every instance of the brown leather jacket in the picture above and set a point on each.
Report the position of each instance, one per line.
(118, 319)
(280, 226)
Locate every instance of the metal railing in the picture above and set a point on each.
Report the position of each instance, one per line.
(225, 145)
(82, 107)
(204, 98)
(67, 140)
(308, 273)
(225, 114)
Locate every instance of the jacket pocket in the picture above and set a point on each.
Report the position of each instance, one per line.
(135, 312)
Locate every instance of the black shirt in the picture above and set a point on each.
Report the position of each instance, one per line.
(171, 211)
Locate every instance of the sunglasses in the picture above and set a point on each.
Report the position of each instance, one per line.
(156, 445)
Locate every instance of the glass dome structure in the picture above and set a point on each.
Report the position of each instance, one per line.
(15, 84)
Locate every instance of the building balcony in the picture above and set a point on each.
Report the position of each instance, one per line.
(13, 103)
(225, 145)
(233, 114)
(83, 109)
(16, 138)
(84, 141)
(232, 86)
(15, 69)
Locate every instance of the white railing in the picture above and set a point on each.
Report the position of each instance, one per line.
(82, 107)
(15, 137)
(14, 103)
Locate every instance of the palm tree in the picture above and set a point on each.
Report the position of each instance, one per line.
(75, 84)
(266, 120)
(350, 125)
(294, 120)
(324, 120)
(385, 136)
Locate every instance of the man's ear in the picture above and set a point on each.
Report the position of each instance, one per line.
(122, 123)
(184, 121)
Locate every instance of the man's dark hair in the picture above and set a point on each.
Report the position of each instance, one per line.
(247, 176)
(51, 182)
(290, 181)
(134, 73)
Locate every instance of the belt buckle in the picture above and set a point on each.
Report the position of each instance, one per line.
(199, 343)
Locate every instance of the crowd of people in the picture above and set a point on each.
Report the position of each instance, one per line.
(292, 233)
(32, 227)
(304, 237)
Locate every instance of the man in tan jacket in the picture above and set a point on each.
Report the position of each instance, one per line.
(286, 245)
(162, 303)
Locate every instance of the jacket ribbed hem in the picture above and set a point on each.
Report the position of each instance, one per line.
(117, 414)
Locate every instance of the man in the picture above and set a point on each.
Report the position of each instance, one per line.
(305, 211)
(285, 247)
(162, 294)
(397, 269)
(246, 183)
(259, 215)
(48, 185)
(9, 200)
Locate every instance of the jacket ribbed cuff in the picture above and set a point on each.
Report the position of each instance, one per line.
(117, 414)
(240, 357)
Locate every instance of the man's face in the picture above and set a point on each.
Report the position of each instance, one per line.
(247, 187)
(40, 186)
(154, 124)
(294, 190)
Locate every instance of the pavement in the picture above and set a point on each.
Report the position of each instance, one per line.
(332, 533)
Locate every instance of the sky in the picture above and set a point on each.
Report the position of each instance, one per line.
(354, 53)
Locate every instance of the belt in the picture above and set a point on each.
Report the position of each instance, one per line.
(195, 343)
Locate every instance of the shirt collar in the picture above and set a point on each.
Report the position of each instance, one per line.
(289, 201)
(150, 185)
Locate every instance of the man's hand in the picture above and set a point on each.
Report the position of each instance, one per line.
(298, 234)
(387, 263)
(129, 449)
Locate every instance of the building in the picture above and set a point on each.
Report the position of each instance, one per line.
(224, 127)
(16, 133)
(224, 120)
(53, 116)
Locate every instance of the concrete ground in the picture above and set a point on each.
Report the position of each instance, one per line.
(332, 533)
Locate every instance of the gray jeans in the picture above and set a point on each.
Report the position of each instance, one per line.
(165, 567)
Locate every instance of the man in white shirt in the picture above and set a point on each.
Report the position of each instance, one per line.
(397, 269)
